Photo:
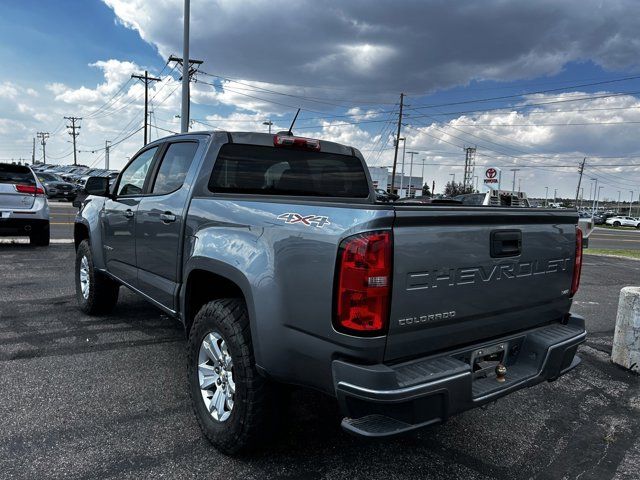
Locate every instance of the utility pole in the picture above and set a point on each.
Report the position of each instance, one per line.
(106, 154)
(514, 170)
(33, 153)
(631, 202)
(519, 183)
(74, 134)
(469, 167)
(584, 160)
(395, 153)
(146, 79)
(618, 208)
(191, 70)
(43, 141)
(411, 171)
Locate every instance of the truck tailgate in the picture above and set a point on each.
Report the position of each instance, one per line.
(465, 274)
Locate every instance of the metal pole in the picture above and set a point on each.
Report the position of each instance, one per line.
(618, 209)
(411, 171)
(546, 196)
(404, 144)
(422, 173)
(631, 202)
(184, 117)
(513, 186)
(598, 197)
(595, 188)
(106, 154)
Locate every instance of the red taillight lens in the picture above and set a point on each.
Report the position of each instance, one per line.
(296, 142)
(577, 265)
(363, 284)
(30, 189)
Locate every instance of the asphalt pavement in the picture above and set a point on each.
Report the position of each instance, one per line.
(621, 239)
(85, 397)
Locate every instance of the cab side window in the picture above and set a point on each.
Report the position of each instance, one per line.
(133, 177)
(174, 167)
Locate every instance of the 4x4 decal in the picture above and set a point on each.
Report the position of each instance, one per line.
(306, 220)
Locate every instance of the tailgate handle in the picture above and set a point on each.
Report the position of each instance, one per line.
(506, 243)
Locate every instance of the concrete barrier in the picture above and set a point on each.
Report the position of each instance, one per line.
(626, 339)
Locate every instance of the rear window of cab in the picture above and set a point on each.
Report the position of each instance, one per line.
(255, 169)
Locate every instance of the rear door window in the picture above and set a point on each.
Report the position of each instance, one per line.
(254, 169)
(16, 174)
(174, 167)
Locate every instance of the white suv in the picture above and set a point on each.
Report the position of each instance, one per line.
(24, 210)
(623, 221)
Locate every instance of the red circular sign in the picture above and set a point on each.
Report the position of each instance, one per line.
(491, 173)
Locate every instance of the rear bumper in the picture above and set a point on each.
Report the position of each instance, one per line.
(381, 400)
(22, 226)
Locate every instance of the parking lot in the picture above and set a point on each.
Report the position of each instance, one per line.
(87, 397)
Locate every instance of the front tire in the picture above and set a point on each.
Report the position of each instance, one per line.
(96, 293)
(616, 224)
(230, 398)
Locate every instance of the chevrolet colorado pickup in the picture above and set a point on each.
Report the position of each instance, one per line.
(284, 269)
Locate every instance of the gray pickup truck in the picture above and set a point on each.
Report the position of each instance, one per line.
(284, 269)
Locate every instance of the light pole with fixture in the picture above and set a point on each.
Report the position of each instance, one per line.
(268, 122)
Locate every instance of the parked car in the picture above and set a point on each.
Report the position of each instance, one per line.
(621, 221)
(273, 253)
(24, 210)
(56, 187)
(384, 196)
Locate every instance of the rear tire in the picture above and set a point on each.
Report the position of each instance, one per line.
(245, 410)
(96, 293)
(616, 224)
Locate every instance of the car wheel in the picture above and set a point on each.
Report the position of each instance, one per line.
(231, 400)
(616, 224)
(96, 293)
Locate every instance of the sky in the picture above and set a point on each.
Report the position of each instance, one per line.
(534, 86)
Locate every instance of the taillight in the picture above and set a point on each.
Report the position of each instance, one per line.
(296, 142)
(30, 189)
(363, 284)
(577, 265)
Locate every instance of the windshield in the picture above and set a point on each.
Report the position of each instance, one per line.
(49, 177)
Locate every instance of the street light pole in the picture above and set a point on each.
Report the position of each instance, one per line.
(546, 196)
(618, 209)
(513, 186)
(631, 202)
(184, 117)
(595, 188)
(598, 196)
(411, 171)
(404, 144)
(268, 122)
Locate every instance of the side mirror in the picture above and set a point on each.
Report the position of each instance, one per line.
(98, 186)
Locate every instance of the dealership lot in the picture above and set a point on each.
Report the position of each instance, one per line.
(106, 397)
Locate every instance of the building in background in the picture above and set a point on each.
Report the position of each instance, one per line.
(381, 178)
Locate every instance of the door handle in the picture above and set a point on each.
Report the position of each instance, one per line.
(128, 213)
(167, 217)
(506, 243)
